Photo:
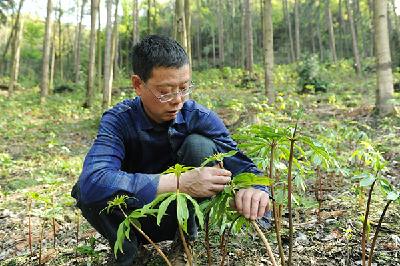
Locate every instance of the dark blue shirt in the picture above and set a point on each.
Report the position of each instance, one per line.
(130, 151)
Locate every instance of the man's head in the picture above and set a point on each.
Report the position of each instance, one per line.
(161, 76)
(157, 51)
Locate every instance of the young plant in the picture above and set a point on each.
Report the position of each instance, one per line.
(218, 157)
(182, 211)
(132, 219)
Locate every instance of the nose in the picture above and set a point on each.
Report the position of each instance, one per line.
(178, 99)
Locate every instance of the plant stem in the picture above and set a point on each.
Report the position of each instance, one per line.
(148, 239)
(40, 241)
(30, 227)
(222, 248)
(365, 223)
(185, 246)
(289, 180)
(77, 234)
(318, 194)
(207, 238)
(274, 207)
(54, 223)
(265, 241)
(225, 241)
(378, 228)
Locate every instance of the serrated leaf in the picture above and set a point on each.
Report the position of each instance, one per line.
(163, 207)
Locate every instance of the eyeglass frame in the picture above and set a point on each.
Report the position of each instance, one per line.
(181, 93)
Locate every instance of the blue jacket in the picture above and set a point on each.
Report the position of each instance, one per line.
(130, 151)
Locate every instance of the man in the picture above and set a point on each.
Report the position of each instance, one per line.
(140, 138)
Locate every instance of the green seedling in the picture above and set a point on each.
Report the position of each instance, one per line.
(131, 220)
(182, 211)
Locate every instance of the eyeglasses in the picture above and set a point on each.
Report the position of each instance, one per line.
(164, 98)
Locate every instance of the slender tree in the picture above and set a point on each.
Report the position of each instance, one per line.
(320, 44)
(268, 51)
(77, 65)
(181, 34)
(297, 28)
(332, 42)
(44, 87)
(384, 91)
(188, 23)
(249, 37)
(289, 29)
(135, 16)
(107, 83)
(15, 49)
(221, 50)
(94, 5)
(354, 39)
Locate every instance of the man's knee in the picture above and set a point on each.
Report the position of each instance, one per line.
(195, 148)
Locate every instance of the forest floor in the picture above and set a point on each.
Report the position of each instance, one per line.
(42, 150)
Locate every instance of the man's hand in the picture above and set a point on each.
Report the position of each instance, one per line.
(204, 182)
(252, 203)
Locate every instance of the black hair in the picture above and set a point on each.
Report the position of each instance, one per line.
(157, 51)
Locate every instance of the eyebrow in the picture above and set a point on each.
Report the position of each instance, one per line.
(171, 84)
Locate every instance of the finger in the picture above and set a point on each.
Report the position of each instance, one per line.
(221, 180)
(239, 200)
(255, 202)
(247, 203)
(217, 187)
(218, 171)
(263, 206)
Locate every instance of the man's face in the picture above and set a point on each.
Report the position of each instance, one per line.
(162, 81)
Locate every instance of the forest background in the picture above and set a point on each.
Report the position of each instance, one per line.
(331, 67)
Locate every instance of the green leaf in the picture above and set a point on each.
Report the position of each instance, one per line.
(120, 239)
(128, 228)
(163, 207)
(249, 179)
(157, 200)
(392, 195)
(218, 157)
(367, 181)
(197, 210)
(182, 211)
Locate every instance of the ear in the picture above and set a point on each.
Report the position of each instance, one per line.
(137, 84)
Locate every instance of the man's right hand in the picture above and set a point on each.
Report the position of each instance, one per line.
(204, 182)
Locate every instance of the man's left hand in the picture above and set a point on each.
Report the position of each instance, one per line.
(252, 203)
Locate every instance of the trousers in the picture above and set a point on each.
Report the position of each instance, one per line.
(192, 152)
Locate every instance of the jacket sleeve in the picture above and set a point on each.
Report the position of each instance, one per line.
(212, 127)
(102, 178)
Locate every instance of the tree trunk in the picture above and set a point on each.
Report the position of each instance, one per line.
(384, 92)
(148, 16)
(108, 58)
(77, 68)
(135, 15)
(268, 52)
(181, 34)
(213, 46)
(92, 55)
(15, 50)
(114, 48)
(354, 39)
(249, 37)
(44, 87)
(188, 23)
(99, 61)
(221, 50)
(332, 43)
(289, 29)
(320, 44)
(297, 28)
(53, 59)
(60, 42)
(198, 31)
